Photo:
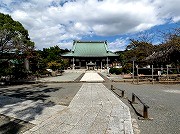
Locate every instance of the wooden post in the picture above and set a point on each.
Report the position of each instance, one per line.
(111, 87)
(107, 62)
(80, 64)
(145, 112)
(107, 66)
(133, 98)
(122, 93)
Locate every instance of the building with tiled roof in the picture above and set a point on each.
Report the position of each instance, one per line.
(90, 54)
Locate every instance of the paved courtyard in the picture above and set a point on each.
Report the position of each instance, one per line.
(33, 103)
(87, 107)
(52, 109)
(94, 110)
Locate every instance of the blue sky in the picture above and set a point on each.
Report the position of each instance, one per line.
(59, 22)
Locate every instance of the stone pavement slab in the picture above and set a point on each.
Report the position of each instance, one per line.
(66, 77)
(34, 112)
(92, 77)
(94, 110)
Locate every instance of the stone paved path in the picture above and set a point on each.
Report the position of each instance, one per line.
(94, 110)
(92, 77)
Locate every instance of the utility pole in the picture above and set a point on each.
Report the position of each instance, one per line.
(133, 59)
(137, 75)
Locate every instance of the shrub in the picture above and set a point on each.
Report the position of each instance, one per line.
(115, 71)
(54, 65)
(127, 68)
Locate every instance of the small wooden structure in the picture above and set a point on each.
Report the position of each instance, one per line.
(91, 66)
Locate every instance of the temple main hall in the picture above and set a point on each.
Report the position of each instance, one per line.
(90, 55)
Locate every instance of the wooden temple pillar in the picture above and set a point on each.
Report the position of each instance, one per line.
(107, 63)
(101, 65)
(80, 63)
(73, 64)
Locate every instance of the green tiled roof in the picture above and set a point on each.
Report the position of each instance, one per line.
(89, 49)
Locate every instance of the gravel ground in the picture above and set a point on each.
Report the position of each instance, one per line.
(163, 101)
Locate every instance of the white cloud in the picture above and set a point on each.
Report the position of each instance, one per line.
(118, 44)
(66, 44)
(168, 9)
(176, 19)
(52, 22)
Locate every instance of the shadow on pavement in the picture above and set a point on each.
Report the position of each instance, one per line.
(38, 92)
(25, 103)
(13, 126)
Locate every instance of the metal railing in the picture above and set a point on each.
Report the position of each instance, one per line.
(145, 107)
(122, 91)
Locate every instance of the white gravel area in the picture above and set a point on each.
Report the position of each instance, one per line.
(92, 77)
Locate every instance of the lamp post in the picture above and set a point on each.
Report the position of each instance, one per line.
(133, 71)
(168, 71)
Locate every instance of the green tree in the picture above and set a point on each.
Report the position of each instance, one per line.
(52, 54)
(15, 44)
(51, 58)
(65, 63)
(122, 57)
(139, 49)
(13, 36)
(168, 52)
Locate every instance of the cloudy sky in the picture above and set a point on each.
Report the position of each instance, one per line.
(59, 22)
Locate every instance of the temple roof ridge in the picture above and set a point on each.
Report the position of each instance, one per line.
(90, 49)
(86, 41)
